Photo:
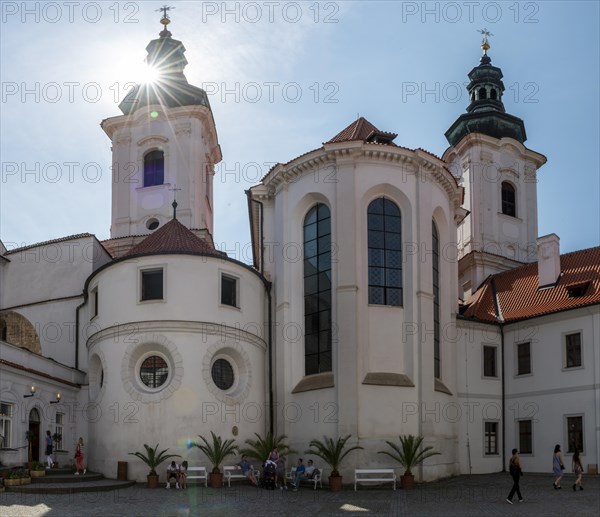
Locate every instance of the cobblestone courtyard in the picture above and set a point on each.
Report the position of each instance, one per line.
(460, 496)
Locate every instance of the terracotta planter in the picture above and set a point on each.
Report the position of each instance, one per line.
(152, 480)
(335, 483)
(216, 480)
(12, 482)
(37, 473)
(407, 481)
(25, 481)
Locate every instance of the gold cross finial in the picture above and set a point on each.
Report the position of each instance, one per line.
(165, 18)
(485, 45)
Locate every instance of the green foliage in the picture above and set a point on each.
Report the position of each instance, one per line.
(18, 473)
(261, 447)
(217, 451)
(332, 452)
(154, 459)
(36, 465)
(56, 438)
(409, 452)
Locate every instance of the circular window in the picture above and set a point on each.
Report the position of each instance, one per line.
(154, 371)
(222, 374)
(152, 224)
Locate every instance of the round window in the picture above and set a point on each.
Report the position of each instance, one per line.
(222, 374)
(152, 224)
(154, 371)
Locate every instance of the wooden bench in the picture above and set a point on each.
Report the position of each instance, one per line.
(235, 472)
(381, 476)
(291, 475)
(197, 473)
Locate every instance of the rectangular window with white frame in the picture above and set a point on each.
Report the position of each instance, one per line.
(524, 358)
(490, 361)
(490, 446)
(151, 284)
(573, 356)
(6, 420)
(58, 430)
(525, 428)
(574, 433)
(229, 290)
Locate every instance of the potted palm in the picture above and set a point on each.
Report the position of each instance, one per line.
(409, 454)
(153, 459)
(261, 447)
(332, 452)
(216, 452)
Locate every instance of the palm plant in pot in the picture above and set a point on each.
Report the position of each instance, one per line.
(153, 459)
(332, 452)
(409, 453)
(216, 452)
(37, 470)
(262, 447)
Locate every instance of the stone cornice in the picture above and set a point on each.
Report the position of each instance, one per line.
(497, 144)
(426, 165)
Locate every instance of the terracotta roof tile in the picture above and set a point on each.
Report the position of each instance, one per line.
(53, 241)
(519, 297)
(173, 237)
(361, 129)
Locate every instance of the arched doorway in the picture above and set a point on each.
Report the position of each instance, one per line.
(34, 429)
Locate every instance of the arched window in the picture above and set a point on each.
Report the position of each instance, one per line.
(385, 252)
(482, 94)
(154, 168)
(435, 264)
(509, 205)
(317, 290)
(493, 94)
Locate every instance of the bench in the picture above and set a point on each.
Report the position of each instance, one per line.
(235, 472)
(197, 473)
(382, 476)
(291, 475)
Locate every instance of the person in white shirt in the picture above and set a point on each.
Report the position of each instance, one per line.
(173, 473)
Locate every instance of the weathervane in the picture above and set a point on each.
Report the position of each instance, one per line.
(485, 46)
(174, 204)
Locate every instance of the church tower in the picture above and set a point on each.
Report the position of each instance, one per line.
(499, 175)
(164, 144)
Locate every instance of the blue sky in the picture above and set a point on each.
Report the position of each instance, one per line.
(296, 73)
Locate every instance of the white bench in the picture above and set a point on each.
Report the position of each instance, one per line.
(235, 472)
(291, 475)
(381, 476)
(197, 473)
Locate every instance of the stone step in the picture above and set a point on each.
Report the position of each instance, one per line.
(67, 477)
(102, 485)
(60, 471)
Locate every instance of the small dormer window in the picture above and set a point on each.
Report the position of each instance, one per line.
(154, 168)
(575, 291)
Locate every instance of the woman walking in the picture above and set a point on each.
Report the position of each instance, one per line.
(516, 473)
(577, 470)
(79, 457)
(558, 465)
(49, 450)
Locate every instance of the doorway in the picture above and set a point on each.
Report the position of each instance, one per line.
(34, 429)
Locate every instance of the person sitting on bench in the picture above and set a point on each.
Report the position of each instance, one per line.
(247, 469)
(173, 474)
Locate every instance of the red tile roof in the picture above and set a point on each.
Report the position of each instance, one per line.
(518, 296)
(53, 241)
(174, 238)
(360, 129)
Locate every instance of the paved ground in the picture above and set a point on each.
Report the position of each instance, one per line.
(482, 495)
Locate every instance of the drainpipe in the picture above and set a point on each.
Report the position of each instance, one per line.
(500, 319)
(270, 352)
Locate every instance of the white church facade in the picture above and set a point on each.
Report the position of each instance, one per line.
(392, 292)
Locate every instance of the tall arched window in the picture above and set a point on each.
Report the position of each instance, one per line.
(509, 205)
(435, 262)
(317, 290)
(154, 168)
(385, 252)
(482, 94)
